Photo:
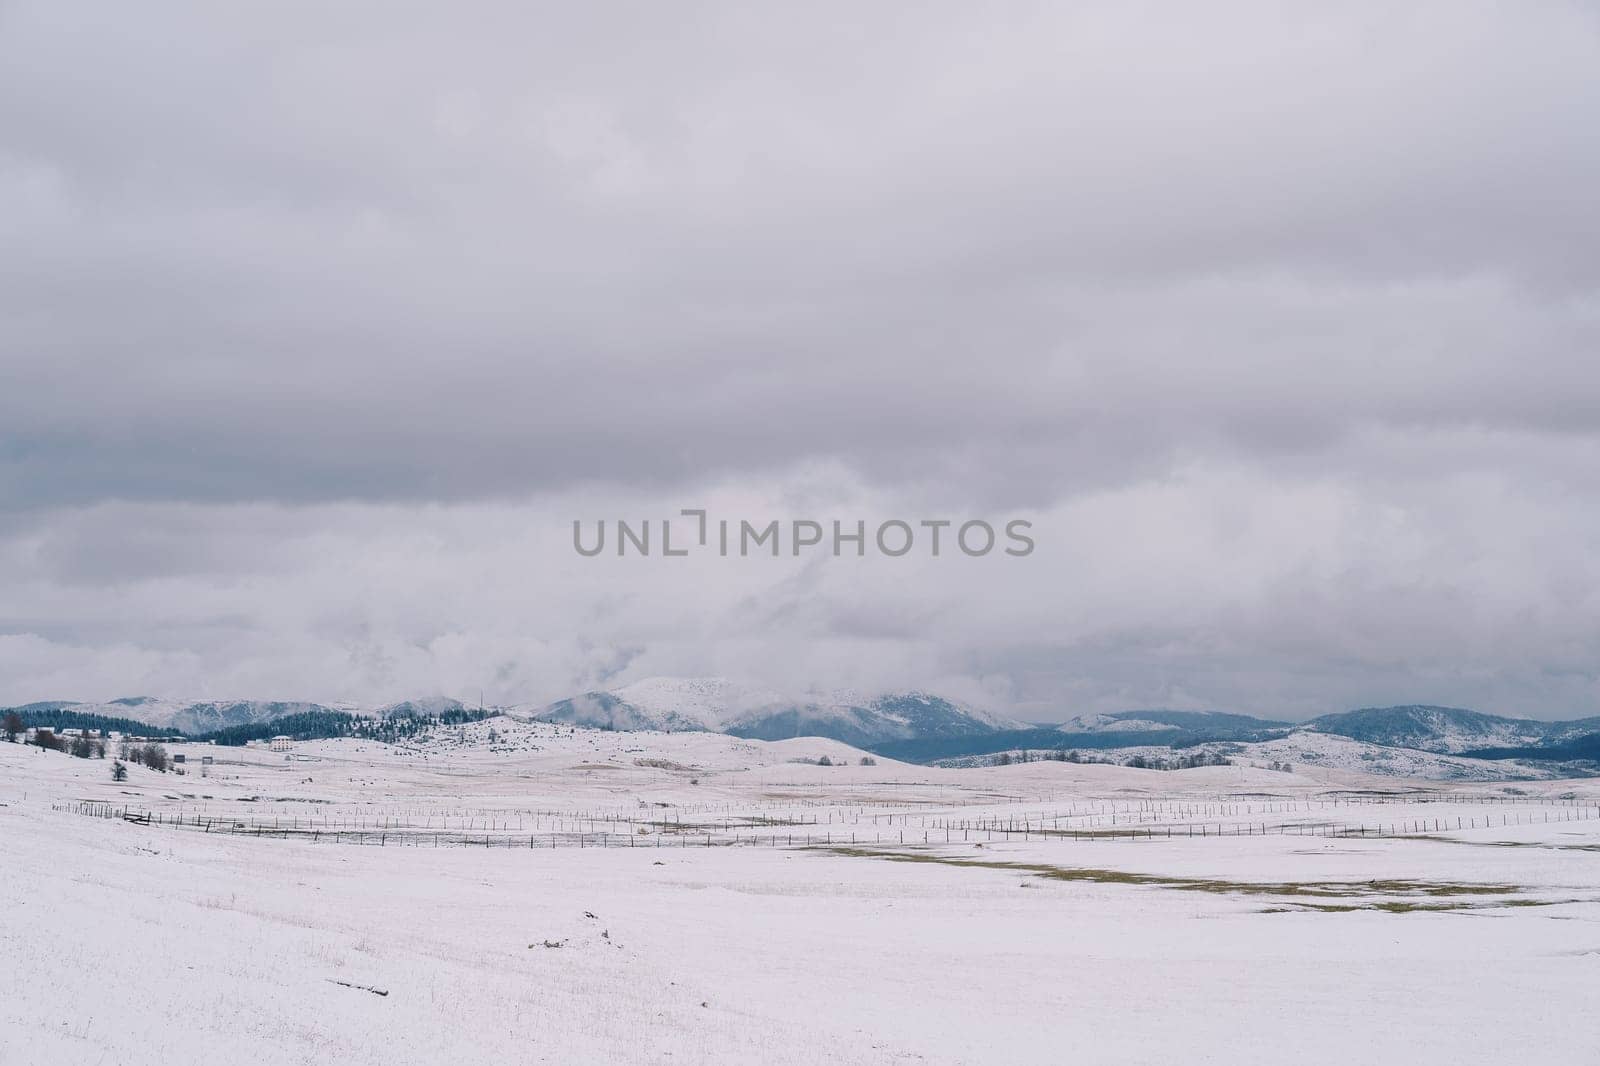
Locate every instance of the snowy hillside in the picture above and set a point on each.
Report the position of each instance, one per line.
(1304, 752)
(719, 705)
(1329, 751)
(1444, 729)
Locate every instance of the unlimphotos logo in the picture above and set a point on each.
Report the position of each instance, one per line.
(894, 538)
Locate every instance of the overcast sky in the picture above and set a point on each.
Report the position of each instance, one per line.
(319, 325)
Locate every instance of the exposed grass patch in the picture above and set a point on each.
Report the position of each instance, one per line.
(666, 764)
(1548, 845)
(1217, 886)
(1401, 906)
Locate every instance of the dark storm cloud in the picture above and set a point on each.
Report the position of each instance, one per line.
(388, 254)
(317, 324)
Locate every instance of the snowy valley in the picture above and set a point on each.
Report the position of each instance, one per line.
(505, 890)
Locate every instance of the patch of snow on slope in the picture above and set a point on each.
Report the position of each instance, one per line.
(709, 702)
(1099, 723)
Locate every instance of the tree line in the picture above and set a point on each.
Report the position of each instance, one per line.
(325, 725)
(1138, 761)
(307, 725)
(88, 743)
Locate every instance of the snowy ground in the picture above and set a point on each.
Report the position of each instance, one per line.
(1070, 916)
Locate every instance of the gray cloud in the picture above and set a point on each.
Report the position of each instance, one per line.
(275, 284)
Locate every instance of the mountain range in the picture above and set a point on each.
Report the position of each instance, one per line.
(910, 725)
(718, 705)
(1444, 730)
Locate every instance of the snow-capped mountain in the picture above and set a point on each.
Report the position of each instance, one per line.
(420, 708)
(719, 705)
(1102, 723)
(1206, 724)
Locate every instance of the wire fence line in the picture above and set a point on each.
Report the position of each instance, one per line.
(611, 832)
(969, 812)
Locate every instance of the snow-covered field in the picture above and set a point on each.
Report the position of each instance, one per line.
(697, 898)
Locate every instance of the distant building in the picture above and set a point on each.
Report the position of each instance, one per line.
(281, 742)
